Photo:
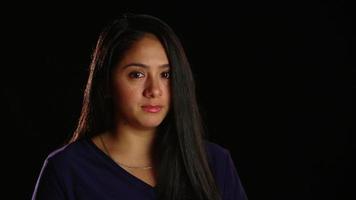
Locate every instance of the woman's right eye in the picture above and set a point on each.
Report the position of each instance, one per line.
(136, 75)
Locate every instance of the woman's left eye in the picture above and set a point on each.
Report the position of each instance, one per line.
(166, 75)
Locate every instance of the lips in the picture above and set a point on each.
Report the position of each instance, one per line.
(151, 108)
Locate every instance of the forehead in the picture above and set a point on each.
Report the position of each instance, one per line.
(147, 50)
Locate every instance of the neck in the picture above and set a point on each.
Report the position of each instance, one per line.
(132, 144)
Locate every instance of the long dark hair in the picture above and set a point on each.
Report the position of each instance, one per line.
(180, 152)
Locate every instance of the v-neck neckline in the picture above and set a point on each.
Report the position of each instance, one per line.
(132, 178)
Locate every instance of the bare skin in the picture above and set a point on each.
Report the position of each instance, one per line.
(129, 155)
(141, 97)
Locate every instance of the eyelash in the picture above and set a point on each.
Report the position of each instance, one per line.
(136, 75)
(166, 75)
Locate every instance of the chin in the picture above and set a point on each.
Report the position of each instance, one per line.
(149, 124)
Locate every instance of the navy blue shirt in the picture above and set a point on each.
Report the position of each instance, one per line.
(81, 171)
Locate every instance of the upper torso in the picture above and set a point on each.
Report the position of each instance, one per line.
(81, 170)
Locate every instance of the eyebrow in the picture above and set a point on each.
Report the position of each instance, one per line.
(143, 65)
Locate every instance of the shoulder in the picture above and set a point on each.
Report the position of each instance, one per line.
(214, 147)
(215, 152)
(67, 154)
(67, 160)
(219, 159)
(224, 171)
(56, 176)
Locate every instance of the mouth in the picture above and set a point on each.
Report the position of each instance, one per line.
(151, 108)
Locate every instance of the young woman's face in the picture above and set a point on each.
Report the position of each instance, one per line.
(141, 82)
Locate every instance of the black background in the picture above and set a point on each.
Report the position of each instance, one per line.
(274, 81)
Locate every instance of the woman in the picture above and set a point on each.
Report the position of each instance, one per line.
(139, 135)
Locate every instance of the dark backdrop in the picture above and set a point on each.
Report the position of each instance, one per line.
(273, 80)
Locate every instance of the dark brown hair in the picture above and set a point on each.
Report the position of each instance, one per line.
(183, 169)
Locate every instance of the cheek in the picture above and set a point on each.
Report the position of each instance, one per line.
(128, 94)
(125, 93)
(168, 92)
(168, 89)
(167, 95)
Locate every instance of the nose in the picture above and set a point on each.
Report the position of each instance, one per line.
(153, 88)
